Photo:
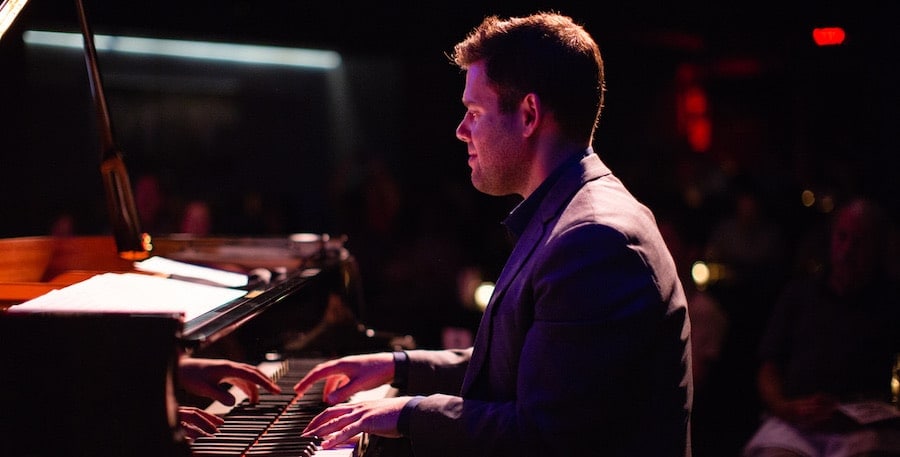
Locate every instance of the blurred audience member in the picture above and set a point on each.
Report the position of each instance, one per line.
(196, 218)
(63, 225)
(152, 205)
(747, 247)
(148, 198)
(830, 344)
(747, 242)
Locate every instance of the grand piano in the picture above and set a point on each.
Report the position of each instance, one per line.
(105, 382)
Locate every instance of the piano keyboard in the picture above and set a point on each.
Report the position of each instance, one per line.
(272, 427)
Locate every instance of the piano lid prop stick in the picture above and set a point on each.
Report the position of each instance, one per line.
(131, 242)
(9, 9)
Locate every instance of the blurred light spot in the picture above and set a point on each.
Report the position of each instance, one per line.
(483, 294)
(700, 134)
(828, 36)
(808, 198)
(695, 101)
(468, 280)
(895, 381)
(700, 274)
(826, 204)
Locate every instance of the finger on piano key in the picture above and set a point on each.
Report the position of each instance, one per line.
(343, 450)
(271, 369)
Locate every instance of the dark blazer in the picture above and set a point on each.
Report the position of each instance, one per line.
(583, 349)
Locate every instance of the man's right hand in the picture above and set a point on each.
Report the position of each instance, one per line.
(348, 375)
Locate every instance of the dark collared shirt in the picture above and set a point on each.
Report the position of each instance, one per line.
(519, 217)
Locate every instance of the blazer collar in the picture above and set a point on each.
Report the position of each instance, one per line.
(573, 177)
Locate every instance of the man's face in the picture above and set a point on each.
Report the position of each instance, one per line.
(494, 139)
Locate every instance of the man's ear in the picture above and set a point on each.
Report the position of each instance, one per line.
(530, 110)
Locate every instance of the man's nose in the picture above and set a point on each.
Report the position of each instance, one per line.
(462, 132)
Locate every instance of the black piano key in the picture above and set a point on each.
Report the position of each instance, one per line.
(218, 451)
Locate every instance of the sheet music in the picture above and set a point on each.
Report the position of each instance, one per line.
(132, 293)
(158, 264)
(867, 412)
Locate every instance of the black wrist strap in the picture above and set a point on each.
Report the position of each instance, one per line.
(401, 370)
(405, 413)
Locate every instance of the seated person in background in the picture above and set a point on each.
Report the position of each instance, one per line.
(832, 340)
(208, 378)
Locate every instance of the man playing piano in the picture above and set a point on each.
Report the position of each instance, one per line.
(584, 346)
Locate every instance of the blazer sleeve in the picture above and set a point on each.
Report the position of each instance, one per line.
(436, 371)
(601, 363)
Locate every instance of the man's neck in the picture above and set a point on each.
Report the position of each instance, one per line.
(548, 158)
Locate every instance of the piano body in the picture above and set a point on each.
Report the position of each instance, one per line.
(105, 384)
(89, 385)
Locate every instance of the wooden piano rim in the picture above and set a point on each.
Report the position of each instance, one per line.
(15, 292)
(33, 265)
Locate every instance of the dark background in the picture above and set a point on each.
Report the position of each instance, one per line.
(371, 152)
(784, 112)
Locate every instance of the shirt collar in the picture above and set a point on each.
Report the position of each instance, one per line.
(519, 217)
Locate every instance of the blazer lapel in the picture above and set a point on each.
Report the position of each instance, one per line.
(522, 251)
(590, 167)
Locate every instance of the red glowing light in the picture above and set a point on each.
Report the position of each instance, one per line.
(828, 36)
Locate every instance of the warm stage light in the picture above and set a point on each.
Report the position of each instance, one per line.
(828, 36)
